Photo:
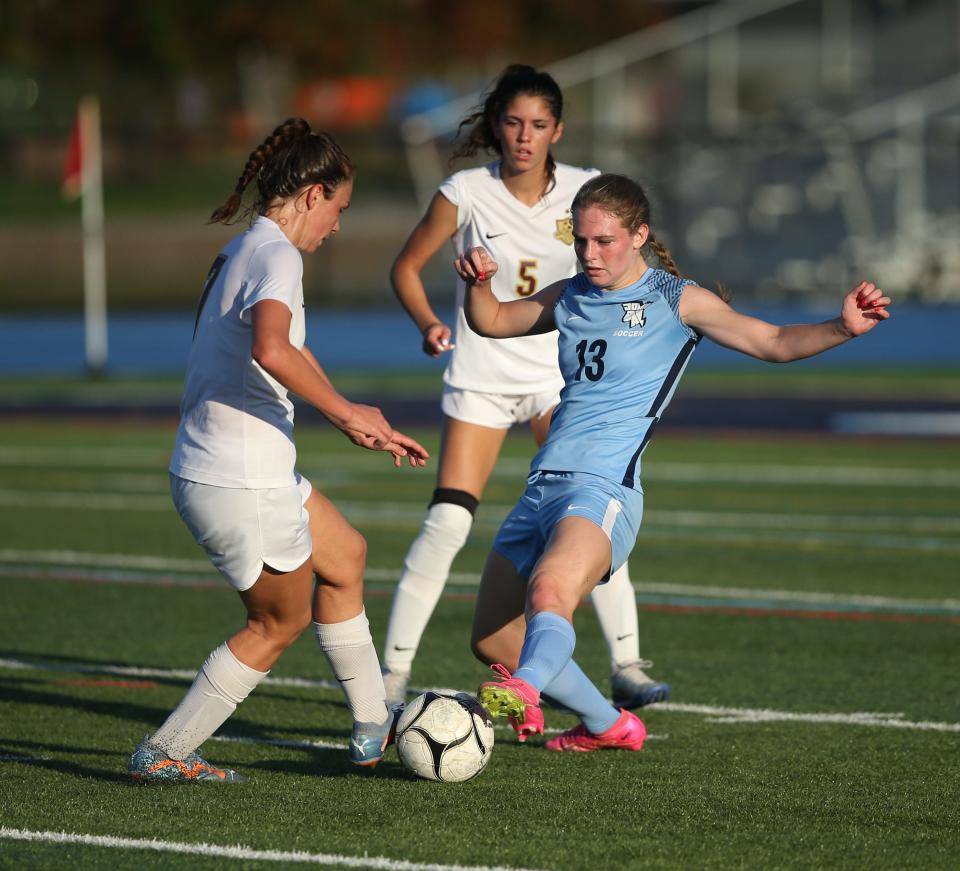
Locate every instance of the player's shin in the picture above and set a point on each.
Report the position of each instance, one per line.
(222, 683)
(615, 603)
(353, 659)
(425, 572)
(575, 691)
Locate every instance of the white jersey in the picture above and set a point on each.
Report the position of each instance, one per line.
(533, 247)
(236, 421)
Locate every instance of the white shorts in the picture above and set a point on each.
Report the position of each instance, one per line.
(243, 530)
(495, 410)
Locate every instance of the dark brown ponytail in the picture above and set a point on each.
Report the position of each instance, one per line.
(514, 81)
(290, 158)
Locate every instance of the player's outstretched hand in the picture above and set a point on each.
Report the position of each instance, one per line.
(399, 445)
(864, 307)
(436, 339)
(475, 266)
(368, 422)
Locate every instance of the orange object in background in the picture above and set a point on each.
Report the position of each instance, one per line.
(354, 101)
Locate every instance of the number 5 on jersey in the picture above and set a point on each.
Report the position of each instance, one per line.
(528, 279)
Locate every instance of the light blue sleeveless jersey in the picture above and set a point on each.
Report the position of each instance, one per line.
(621, 354)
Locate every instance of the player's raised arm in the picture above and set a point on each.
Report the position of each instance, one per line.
(862, 309)
(488, 316)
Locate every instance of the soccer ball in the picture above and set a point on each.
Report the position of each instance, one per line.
(446, 737)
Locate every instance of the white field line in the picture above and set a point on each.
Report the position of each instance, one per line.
(711, 713)
(70, 559)
(281, 742)
(512, 467)
(104, 560)
(238, 852)
(764, 715)
(809, 597)
(407, 515)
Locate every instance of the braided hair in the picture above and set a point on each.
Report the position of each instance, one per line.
(627, 201)
(516, 80)
(290, 158)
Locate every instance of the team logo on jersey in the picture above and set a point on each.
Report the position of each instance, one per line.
(565, 230)
(634, 314)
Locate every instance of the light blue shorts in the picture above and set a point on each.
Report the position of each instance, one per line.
(551, 496)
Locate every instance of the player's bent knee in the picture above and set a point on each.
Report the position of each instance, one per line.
(452, 496)
(552, 595)
(354, 548)
(280, 631)
(346, 570)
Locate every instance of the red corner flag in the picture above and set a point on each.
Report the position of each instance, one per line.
(72, 184)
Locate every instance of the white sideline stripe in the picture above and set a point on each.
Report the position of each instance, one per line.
(104, 560)
(157, 458)
(281, 742)
(238, 852)
(764, 715)
(795, 596)
(712, 713)
(66, 559)
(161, 673)
(70, 558)
(404, 514)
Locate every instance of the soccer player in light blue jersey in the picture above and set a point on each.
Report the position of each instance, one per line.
(518, 208)
(626, 332)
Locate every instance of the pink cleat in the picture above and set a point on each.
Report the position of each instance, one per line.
(627, 733)
(514, 698)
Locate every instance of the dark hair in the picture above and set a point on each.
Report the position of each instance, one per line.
(290, 158)
(514, 81)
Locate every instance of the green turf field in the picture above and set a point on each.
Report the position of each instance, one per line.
(800, 594)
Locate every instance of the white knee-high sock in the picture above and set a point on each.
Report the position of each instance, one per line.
(425, 572)
(616, 605)
(353, 658)
(220, 685)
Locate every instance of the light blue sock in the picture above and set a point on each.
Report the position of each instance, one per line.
(547, 648)
(574, 690)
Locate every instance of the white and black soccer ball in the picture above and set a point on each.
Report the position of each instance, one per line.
(445, 736)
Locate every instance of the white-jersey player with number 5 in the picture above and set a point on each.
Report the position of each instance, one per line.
(518, 209)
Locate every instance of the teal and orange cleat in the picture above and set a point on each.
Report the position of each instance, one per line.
(149, 764)
(514, 698)
(369, 741)
(628, 733)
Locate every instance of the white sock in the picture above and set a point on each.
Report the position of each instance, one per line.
(425, 572)
(220, 685)
(616, 605)
(349, 650)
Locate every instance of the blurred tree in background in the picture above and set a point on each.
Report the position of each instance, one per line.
(147, 58)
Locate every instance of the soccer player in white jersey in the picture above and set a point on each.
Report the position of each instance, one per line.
(518, 208)
(626, 332)
(233, 476)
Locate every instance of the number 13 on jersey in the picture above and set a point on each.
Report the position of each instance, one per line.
(528, 278)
